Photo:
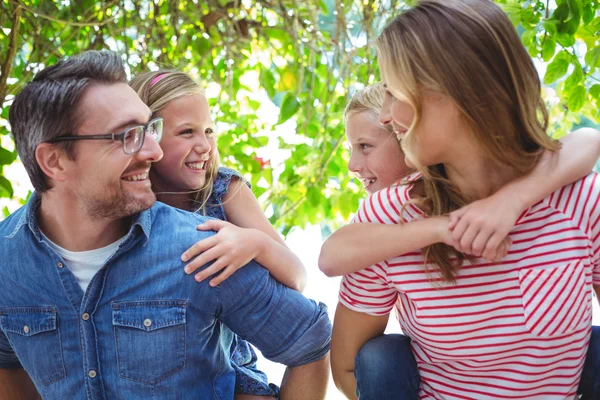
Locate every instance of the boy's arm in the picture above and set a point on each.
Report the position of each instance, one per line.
(359, 245)
(480, 227)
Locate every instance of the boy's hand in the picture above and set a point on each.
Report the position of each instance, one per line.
(481, 228)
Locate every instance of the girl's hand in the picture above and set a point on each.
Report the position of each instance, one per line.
(231, 248)
(481, 228)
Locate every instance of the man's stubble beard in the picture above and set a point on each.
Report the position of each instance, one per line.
(116, 206)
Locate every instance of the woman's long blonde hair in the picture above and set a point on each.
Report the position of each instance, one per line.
(159, 88)
(469, 51)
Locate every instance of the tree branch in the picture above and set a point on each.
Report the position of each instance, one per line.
(12, 51)
(62, 21)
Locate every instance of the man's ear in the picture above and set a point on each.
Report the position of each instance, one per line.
(53, 161)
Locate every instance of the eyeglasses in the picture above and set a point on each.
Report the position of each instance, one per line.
(132, 138)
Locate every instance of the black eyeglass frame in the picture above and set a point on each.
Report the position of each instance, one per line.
(115, 136)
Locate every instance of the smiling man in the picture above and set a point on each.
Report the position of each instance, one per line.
(94, 302)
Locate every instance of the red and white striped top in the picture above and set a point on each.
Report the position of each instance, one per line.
(516, 329)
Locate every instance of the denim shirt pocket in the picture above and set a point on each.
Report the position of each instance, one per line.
(150, 338)
(34, 336)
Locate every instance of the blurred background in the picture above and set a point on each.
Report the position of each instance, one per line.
(278, 74)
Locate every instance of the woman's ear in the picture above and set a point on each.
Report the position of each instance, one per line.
(53, 161)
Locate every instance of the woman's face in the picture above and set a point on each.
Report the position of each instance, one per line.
(432, 140)
(376, 157)
(188, 144)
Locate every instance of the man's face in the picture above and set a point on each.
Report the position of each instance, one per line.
(106, 182)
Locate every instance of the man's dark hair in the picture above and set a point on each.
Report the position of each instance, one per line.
(48, 106)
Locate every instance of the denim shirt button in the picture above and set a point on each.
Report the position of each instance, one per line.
(26, 329)
(85, 316)
(147, 322)
(59, 265)
(92, 374)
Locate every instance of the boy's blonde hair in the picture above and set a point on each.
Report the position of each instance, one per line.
(369, 100)
(159, 88)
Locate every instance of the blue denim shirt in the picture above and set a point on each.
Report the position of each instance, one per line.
(143, 329)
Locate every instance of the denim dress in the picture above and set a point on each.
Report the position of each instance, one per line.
(249, 379)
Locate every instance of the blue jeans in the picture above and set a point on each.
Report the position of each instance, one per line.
(385, 368)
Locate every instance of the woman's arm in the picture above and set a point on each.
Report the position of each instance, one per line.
(351, 330)
(356, 246)
(479, 227)
(249, 235)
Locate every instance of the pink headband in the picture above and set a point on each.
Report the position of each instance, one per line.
(156, 79)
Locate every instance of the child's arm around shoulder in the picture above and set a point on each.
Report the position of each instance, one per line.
(479, 227)
(248, 235)
(377, 233)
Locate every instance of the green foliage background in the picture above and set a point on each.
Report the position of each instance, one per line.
(306, 57)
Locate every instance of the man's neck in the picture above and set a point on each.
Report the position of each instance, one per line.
(66, 224)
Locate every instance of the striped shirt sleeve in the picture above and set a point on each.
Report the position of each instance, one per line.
(580, 203)
(368, 290)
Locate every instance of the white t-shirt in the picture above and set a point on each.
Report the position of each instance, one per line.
(515, 329)
(85, 264)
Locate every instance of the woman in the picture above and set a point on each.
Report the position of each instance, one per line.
(464, 98)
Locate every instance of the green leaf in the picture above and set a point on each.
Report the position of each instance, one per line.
(561, 13)
(528, 37)
(289, 107)
(549, 48)
(576, 98)
(556, 70)
(588, 14)
(591, 59)
(7, 157)
(323, 7)
(6, 189)
(576, 77)
(267, 81)
(550, 27)
(595, 91)
(565, 39)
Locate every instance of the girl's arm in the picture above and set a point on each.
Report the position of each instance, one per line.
(248, 235)
(356, 246)
(479, 227)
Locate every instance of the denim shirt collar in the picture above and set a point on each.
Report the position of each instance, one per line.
(29, 217)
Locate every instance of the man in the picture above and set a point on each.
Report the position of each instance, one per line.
(94, 302)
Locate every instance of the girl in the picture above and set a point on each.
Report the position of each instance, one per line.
(189, 177)
(464, 98)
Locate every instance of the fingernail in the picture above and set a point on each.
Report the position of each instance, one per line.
(213, 284)
(198, 279)
(184, 257)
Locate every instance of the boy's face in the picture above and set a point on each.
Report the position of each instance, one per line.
(376, 159)
(106, 182)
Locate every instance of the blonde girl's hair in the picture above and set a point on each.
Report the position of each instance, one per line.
(159, 88)
(469, 51)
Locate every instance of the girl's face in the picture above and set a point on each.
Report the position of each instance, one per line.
(376, 157)
(188, 143)
(433, 139)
